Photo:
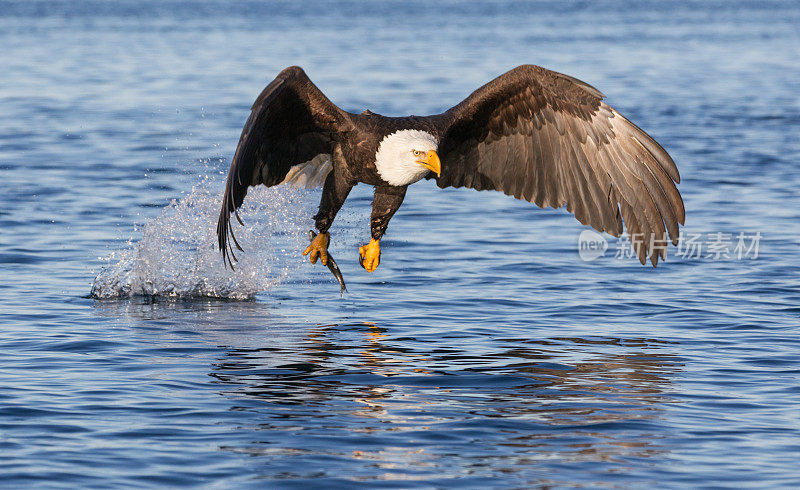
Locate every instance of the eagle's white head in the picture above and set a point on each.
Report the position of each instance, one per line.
(405, 156)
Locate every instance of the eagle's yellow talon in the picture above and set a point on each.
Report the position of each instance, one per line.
(318, 249)
(370, 255)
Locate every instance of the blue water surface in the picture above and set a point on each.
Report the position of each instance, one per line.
(484, 352)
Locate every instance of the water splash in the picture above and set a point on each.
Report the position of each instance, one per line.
(177, 255)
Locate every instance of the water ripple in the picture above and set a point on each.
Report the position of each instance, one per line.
(482, 353)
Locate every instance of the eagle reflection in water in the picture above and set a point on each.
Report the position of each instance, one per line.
(526, 400)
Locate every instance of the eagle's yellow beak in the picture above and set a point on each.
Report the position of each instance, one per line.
(432, 163)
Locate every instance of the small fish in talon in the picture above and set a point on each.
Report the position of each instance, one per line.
(331, 265)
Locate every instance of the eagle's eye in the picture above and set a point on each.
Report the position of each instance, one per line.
(416, 153)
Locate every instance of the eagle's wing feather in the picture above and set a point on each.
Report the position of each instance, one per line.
(291, 122)
(549, 139)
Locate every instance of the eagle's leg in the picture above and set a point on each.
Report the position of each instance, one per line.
(370, 255)
(318, 248)
(334, 192)
(386, 202)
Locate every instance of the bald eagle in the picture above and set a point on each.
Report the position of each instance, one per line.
(531, 133)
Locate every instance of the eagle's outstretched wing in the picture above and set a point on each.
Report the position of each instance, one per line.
(291, 122)
(549, 138)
